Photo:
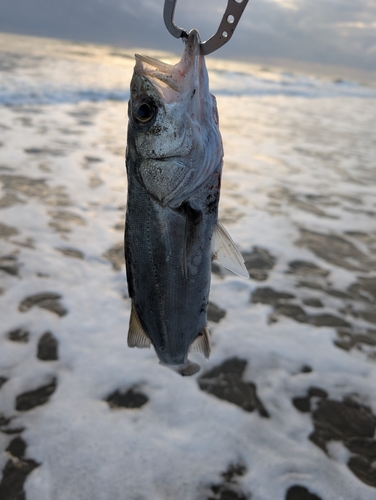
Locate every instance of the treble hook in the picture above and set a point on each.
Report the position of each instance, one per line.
(230, 19)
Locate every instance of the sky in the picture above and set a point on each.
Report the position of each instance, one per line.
(332, 32)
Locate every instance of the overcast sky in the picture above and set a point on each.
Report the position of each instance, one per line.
(341, 32)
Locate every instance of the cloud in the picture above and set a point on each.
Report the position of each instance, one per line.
(324, 31)
(287, 4)
(360, 25)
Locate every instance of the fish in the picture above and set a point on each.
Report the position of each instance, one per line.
(174, 158)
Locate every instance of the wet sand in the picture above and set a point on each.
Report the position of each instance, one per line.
(286, 407)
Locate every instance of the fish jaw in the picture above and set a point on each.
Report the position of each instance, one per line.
(176, 82)
(182, 145)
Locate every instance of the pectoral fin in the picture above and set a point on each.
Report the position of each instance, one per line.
(225, 251)
(136, 334)
(202, 343)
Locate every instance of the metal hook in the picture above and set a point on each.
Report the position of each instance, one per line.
(230, 19)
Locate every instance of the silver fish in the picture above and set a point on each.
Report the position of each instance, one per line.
(174, 163)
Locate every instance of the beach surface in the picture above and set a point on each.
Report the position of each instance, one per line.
(285, 408)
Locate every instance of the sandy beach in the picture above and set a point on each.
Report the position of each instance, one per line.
(285, 408)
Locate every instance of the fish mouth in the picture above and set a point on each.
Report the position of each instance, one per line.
(156, 63)
(162, 71)
(167, 77)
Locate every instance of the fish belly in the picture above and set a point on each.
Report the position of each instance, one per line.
(168, 261)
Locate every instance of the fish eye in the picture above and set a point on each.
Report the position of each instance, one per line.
(144, 113)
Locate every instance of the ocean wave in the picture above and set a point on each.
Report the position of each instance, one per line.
(42, 75)
(246, 84)
(61, 96)
(224, 85)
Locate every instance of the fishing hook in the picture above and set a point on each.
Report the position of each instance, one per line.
(230, 19)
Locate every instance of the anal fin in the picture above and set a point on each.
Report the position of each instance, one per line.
(225, 251)
(136, 334)
(202, 343)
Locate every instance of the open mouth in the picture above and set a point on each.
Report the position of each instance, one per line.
(162, 71)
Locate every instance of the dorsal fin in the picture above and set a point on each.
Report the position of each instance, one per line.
(202, 343)
(136, 334)
(225, 251)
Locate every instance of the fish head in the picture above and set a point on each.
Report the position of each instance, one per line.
(173, 134)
